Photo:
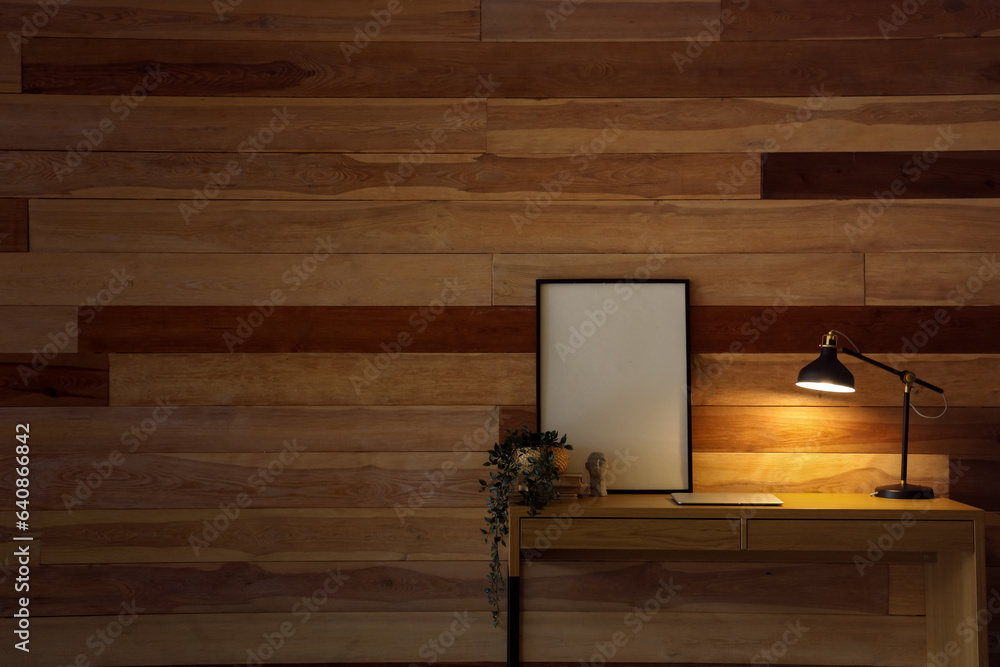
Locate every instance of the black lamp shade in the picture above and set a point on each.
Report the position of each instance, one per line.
(826, 373)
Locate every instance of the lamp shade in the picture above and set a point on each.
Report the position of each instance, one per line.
(826, 373)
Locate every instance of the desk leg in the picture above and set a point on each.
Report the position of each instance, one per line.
(513, 621)
(955, 594)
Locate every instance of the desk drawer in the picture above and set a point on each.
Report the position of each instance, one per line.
(859, 535)
(676, 534)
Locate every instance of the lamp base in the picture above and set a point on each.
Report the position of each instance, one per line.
(904, 491)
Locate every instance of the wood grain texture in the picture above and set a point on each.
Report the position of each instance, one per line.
(314, 637)
(250, 588)
(289, 476)
(318, 176)
(813, 472)
(98, 432)
(533, 70)
(768, 380)
(723, 226)
(953, 280)
(323, 379)
(929, 173)
(14, 28)
(296, 20)
(818, 123)
(57, 380)
(245, 125)
(293, 535)
(964, 433)
(13, 225)
(31, 328)
(813, 19)
(829, 588)
(974, 481)
(432, 328)
(251, 281)
(748, 279)
(726, 637)
(596, 20)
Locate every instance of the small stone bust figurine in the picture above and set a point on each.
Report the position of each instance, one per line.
(597, 464)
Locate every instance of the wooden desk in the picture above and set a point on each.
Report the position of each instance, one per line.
(946, 537)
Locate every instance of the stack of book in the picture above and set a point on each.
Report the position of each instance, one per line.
(571, 485)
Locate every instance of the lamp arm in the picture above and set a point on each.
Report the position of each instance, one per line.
(890, 369)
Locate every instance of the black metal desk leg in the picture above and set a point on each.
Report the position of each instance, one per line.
(513, 621)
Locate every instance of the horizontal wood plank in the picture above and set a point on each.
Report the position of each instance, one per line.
(247, 126)
(725, 226)
(431, 328)
(198, 179)
(294, 20)
(31, 328)
(820, 123)
(532, 70)
(53, 380)
(781, 20)
(323, 379)
(13, 225)
(257, 282)
(716, 280)
(15, 25)
(251, 588)
(99, 432)
(930, 174)
(312, 637)
(974, 481)
(813, 472)
(596, 20)
(769, 380)
(286, 535)
(954, 280)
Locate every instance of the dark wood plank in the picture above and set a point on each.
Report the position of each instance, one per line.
(189, 176)
(886, 176)
(13, 225)
(974, 481)
(431, 328)
(15, 24)
(780, 20)
(596, 69)
(31, 328)
(294, 20)
(50, 378)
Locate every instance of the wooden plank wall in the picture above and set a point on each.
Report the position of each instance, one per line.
(267, 294)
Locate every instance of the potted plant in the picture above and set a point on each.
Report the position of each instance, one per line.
(527, 464)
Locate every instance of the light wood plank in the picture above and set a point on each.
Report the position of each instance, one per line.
(382, 176)
(287, 535)
(946, 279)
(747, 279)
(323, 379)
(813, 473)
(97, 432)
(727, 226)
(294, 20)
(724, 637)
(822, 123)
(769, 380)
(621, 533)
(320, 278)
(13, 225)
(856, 535)
(906, 589)
(318, 637)
(247, 126)
(31, 328)
(598, 20)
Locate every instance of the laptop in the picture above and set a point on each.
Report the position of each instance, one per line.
(726, 499)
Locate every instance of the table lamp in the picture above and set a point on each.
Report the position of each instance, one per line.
(827, 374)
